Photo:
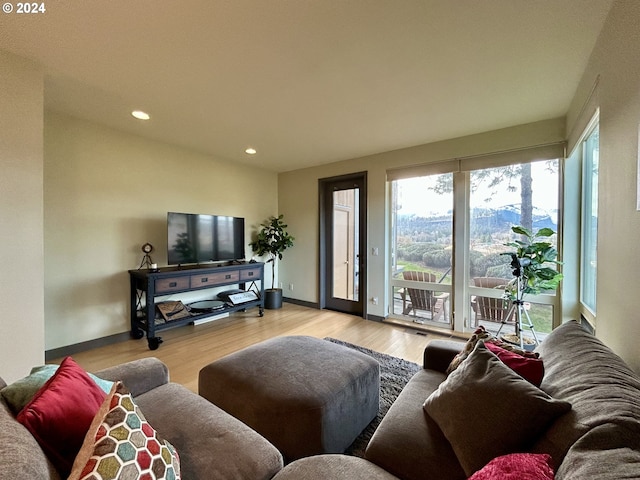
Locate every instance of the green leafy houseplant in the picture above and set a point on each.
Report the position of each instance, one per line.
(531, 261)
(532, 266)
(272, 240)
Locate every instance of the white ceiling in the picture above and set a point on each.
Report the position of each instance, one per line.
(308, 82)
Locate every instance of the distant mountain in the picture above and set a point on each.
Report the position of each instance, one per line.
(485, 219)
(510, 215)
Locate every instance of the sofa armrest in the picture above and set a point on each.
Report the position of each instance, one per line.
(139, 376)
(439, 353)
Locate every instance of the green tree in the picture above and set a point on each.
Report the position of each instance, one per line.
(495, 178)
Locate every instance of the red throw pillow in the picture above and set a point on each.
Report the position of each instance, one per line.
(60, 413)
(531, 369)
(517, 466)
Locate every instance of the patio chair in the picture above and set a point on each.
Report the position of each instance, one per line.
(492, 309)
(425, 300)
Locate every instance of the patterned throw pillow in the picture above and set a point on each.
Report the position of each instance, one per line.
(481, 333)
(121, 445)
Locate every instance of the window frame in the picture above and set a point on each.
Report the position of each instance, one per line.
(587, 310)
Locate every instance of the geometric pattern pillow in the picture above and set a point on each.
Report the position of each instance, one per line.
(481, 333)
(122, 445)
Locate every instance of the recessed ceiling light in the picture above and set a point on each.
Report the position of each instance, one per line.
(250, 151)
(140, 115)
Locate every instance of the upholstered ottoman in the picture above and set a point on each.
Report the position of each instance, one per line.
(305, 395)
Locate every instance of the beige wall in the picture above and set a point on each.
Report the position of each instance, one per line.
(298, 201)
(616, 62)
(21, 231)
(105, 194)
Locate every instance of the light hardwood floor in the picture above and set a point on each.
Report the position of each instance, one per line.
(187, 349)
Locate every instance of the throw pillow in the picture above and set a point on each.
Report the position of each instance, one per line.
(120, 444)
(20, 392)
(60, 413)
(517, 466)
(531, 369)
(486, 410)
(481, 333)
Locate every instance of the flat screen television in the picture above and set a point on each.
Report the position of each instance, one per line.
(194, 238)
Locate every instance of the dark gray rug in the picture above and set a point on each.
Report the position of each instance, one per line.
(394, 375)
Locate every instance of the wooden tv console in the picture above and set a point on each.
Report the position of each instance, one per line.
(147, 284)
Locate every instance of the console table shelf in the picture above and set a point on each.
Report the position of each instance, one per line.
(147, 285)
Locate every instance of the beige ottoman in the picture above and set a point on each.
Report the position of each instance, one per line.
(305, 395)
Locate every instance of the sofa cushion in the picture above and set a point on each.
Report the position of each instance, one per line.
(408, 443)
(139, 376)
(605, 397)
(606, 452)
(333, 467)
(20, 392)
(61, 412)
(517, 466)
(212, 444)
(121, 444)
(531, 369)
(486, 410)
(20, 455)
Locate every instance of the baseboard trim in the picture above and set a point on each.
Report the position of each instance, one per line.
(302, 303)
(61, 352)
(84, 346)
(374, 318)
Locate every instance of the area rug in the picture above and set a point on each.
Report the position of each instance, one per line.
(394, 375)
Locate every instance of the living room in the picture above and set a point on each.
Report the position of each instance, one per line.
(82, 197)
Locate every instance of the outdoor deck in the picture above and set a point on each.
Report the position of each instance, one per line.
(441, 320)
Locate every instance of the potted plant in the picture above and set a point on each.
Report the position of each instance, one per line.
(532, 266)
(272, 240)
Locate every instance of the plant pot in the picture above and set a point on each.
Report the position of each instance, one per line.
(273, 298)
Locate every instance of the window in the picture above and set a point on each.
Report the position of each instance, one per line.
(449, 224)
(422, 248)
(523, 194)
(589, 230)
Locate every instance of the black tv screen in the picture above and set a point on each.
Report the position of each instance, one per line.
(194, 238)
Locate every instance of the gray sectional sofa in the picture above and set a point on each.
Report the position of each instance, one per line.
(598, 438)
(211, 443)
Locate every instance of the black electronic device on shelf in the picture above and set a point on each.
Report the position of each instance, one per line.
(194, 238)
(205, 306)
